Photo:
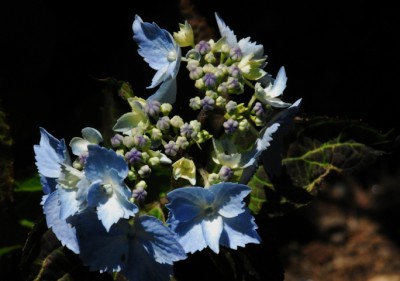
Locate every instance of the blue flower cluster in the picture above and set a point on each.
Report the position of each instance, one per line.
(98, 204)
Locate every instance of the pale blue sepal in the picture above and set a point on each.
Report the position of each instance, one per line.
(62, 229)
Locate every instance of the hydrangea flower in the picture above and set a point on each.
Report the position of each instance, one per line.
(50, 153)
(211, 217)
(90, 136)
(226, 154)
(246, 46)
(144, 249)
(162, 53)
(270, 94)
(106, 171)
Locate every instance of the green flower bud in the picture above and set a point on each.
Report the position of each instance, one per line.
(144, 171)
(184, 37)
(182, 142)
(196, 125)
(213, 178)
(145, 157)
(210, 58)
(244, 125)
(211, 94)
(208, 68)
(131, 175)
(154, 161)
(166, 108)
(220, 101)
(195, 103)
(199, 84)
(225, 49)
(141, 185)
(128, 141)
(156, 134)
(176, 121)
(192, 64)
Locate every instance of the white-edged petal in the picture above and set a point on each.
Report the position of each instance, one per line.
(92, 135)
(49, 154)
(229, 198)
(239, 231)
(63, 230)
(226, 32)
(212, 229)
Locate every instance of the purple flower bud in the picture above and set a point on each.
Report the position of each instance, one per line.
(140, 141)
(258, 109)
(210, 80)
(225, 173)
(236, 54)
(171, 148)
(234, 85)
(196, 73)
(82, 159)
(207, 103)
(152, 108)
(203, 47)
(235, 71)
(163, 123)
(139, 193)
(116, 140)
(222, 88)
(133, 156)
(231, 106)
(186, 130)
(230, 126)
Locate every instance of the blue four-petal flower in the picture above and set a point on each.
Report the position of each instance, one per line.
(211, 216)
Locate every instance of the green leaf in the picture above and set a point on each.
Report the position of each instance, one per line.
(129, 121)
(309, 162)
(6, 250)
(27, 223)
(155, 210)
(29, 185)
(125, 91)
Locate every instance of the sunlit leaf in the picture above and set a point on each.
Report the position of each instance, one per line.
(29, 185)
(27, 223)
(309, 162)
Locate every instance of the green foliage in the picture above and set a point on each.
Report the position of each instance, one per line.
(29, 185)
(317, 150)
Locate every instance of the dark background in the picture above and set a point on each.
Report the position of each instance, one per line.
(343, 61)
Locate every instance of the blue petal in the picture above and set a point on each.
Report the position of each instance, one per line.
(187, 203)
(111, 208)
(190, 234)
(68, 203)
(159, 240)
(144, 267)
(100, 162)
(239, 231)
(212, 229)
(102, 250)
(251, 157)
(122, 248)
(48, 184)
(154, 43)
(229, 198)
(63, 230)
(166, 92)
(49, 153)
